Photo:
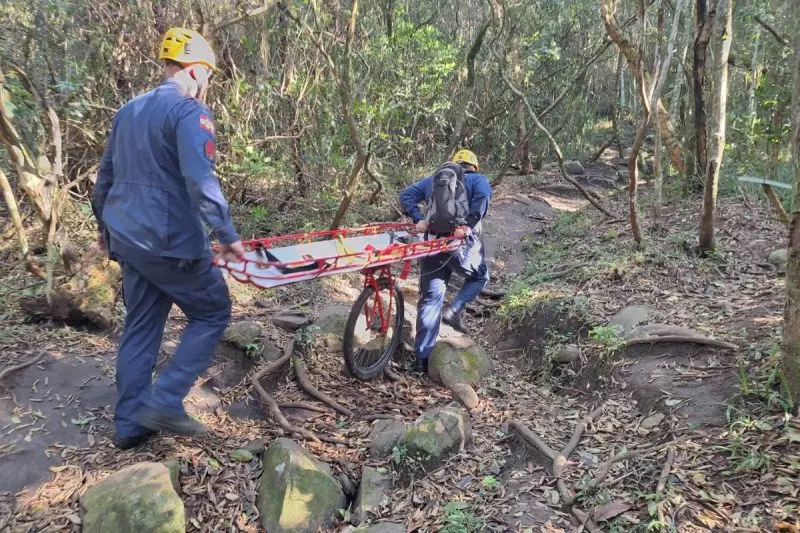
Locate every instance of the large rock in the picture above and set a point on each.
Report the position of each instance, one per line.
(373, 494)
(384, 436)
(458, 360)
(384, 527)
(331, 324)
(243, 334)
(290, 321)
(296, 492)
(137, 499)
(575, 168)
(629, 318)
(465, 394)
(436, 435)
(779, 258)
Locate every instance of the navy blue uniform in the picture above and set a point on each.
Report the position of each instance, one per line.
(156, 190)
(435, 271)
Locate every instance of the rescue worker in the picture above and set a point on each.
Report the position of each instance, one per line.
(435, 271)
(156, 188)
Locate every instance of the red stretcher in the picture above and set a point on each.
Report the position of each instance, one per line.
(374, 326)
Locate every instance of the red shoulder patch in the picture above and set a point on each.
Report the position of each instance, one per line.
(211, 150)
(207, 124)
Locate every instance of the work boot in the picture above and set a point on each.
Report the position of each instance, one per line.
(420, 366)
(126, 443)
(175, 423)
(453, 319)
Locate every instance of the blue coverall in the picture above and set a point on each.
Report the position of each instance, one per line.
(435, 271)
(155, 189)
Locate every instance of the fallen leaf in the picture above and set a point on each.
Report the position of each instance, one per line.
(610, 510)
(75, 519)
(232, 497)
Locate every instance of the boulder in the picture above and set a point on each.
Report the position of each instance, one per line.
(574, 167)
(384, 527)
(465, 395)
(290, 321)
(630, 317)
(384, 436)
(458, 360)
(296, 492)
(437, 434)
(331, 325)
(136, 499)
(174, 466)
(242, 455)
(569, 353)
(779, 258)
(373, 494)
(243, 334)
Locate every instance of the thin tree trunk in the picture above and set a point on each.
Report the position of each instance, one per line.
(722, 38)
(619, 103)
(526, 167)
(702, 34)
(791, 328)
(11, 203)
(658, 185)
(467, 93)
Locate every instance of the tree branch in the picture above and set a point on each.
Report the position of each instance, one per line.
(778, 37)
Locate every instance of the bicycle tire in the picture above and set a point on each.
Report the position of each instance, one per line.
(370, 371)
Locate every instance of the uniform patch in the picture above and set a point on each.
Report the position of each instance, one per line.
(211, 150)
(206, 124)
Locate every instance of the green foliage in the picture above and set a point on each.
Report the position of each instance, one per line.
(458, 518)
(608, 336)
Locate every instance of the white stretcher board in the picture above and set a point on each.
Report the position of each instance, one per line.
(310, 254)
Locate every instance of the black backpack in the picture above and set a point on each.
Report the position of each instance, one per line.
(448, 206)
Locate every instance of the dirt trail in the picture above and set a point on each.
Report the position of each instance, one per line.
(61, 410)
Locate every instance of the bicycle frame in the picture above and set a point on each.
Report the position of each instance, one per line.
(384, 279)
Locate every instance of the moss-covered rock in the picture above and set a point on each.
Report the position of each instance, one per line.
(458, 360)
(436, 435)
(296, 492)
(243, 334)
(137, 499)
(384, 436)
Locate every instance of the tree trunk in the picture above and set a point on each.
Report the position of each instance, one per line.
(702, 34)
(11, 204)
(466, 96)
(658, 184)
(721, 38)
(523, 142)
(791, 328)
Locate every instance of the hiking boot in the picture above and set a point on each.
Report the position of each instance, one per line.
(420, 366)
(175, 423)
(126, 443)
(453, 319)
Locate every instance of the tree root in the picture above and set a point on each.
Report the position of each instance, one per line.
(311, 390)
(308, 406)
(662, 480)
(14, 368)
(391, 375)
(699, 339)
(560, 460)
(272, 406)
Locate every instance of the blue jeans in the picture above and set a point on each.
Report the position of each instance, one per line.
(435, 274)
(151, 284)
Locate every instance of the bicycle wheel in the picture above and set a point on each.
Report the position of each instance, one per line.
(373, 331)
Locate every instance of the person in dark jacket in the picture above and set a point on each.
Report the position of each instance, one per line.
(435, 271)
(156, 188)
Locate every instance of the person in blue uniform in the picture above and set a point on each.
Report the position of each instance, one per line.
(435, 271)
(155, 194)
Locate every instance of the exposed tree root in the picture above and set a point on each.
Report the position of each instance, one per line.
(560, 460)
(14, 368)
(305, 384)
(682, 339)
(662, 480)
(391, 375)
(272, 406)
(308, 406)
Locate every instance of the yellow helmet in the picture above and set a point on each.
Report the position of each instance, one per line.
(187, 47)
(465, 156)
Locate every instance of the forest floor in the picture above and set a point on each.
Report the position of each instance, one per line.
(722, 454)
